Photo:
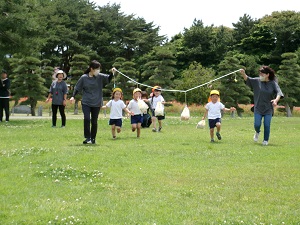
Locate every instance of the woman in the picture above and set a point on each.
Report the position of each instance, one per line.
(91, 84)
(58, 91)
(266, 95)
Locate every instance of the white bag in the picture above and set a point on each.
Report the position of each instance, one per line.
(159, 110)
(142, 106)
(185, 115)
(201, 124)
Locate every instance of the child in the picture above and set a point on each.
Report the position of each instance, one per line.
(213, 113)
(116, 106)
(137, 116)
(156, 97)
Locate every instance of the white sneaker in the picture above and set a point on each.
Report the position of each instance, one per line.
(255, 137)
(265, 143)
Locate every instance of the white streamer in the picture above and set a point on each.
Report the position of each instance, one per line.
(174, 90)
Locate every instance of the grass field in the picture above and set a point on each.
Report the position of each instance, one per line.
(173, 177)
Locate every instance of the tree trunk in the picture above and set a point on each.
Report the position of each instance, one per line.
(288, 110)
(76, 107)
(33, 103)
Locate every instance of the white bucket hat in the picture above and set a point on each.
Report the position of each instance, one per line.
(58, 72)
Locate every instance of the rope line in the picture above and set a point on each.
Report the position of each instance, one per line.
(174, 90)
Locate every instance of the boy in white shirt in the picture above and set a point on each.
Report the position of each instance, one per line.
(136, 118)
(116, 106)
(155, 98)
(213, 113)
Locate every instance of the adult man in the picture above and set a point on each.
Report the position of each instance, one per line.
(4, 95)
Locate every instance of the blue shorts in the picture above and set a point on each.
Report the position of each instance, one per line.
(136, 119)
(212, 122)
(116, 122)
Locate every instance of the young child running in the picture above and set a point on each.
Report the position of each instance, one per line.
(116, 106)
(213, 113)
(137, 116)
(155, 98)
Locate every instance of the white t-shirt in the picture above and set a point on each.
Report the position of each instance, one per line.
(116, 108)
(157, 99)
(133, 106)
(214, 110)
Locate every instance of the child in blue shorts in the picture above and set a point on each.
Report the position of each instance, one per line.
(213, 113)
(116, 106)
(137, 116)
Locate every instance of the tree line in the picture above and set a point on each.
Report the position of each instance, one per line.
(38, 35)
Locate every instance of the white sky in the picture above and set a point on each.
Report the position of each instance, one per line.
(174, 15)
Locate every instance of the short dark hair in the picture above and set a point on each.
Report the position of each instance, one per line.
(3, 71)
(94, 65)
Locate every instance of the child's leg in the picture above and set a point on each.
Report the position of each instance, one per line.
(133, 127)
(113, 130)
(211, 131)
(118, 129)
(160, 123)
(138, 132)
(218, 125)
(154, 121)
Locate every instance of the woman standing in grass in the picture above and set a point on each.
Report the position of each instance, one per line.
(58, 91)
(213, 113)
(136, 118)
(116, 106)
(266, 95)
(91, 85)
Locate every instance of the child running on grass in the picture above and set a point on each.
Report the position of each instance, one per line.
(136, 116)
(116, 106)
(213, 113)
(155, 98)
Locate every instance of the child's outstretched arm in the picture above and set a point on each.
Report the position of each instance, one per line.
(127, 110)
(229, 110)
(205, 114)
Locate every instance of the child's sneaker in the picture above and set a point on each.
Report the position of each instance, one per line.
(218, 136)
(265, 143)
(154, 129)
(255, 137)
(212, 140)
(159, 129)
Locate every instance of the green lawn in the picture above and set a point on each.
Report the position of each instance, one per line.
(173, 177)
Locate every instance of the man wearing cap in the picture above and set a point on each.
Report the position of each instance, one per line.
(4, 95)
(58, 91)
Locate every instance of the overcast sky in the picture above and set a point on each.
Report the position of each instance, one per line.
(174, 15)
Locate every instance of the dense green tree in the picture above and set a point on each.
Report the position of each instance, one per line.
(128, 69)
(233, 88)
(194, 76)
(260, 42)
(78, 65)
(284, 28)
(243, 28)
(289, 77)
(27, 80)
(160, 68)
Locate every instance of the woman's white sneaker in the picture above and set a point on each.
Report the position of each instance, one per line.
(255, 137)
(265, 143)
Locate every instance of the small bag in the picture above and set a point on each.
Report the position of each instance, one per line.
(159, 110)
(201, 124)
(185, 115)
(142, 106)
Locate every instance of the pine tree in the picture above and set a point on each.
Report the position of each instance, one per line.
(289, 81)
(27, 81)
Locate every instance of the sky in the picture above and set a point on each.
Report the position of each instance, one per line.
(172, 16)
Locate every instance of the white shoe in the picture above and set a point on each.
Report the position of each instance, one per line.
(255, 137)
(265, 143)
